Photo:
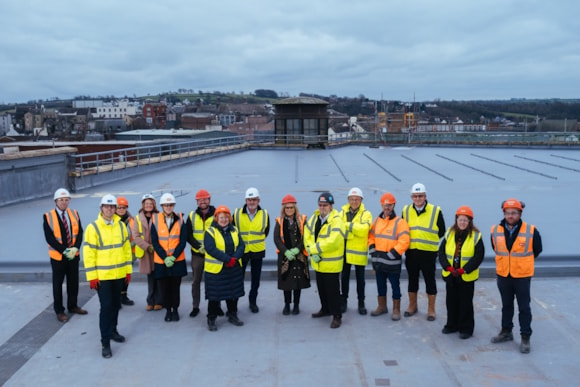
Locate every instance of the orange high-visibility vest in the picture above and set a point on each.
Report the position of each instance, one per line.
(168, 240)
(52, 218)
(519, 262)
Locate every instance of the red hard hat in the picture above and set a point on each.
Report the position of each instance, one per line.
(388, 198)
(512, 203)
(202, 194)
(222, 210)
(464, 210)
(122, 201)
(288, 199)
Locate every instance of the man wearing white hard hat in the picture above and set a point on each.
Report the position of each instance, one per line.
(427, 227)
(253, 224)
(108, 264)
(64, 234)
(357, 220)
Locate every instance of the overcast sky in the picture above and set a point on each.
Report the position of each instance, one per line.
(492, 49)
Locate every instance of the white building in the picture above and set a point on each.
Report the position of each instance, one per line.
(117, 109)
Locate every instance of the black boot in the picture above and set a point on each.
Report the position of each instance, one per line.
(296, 309)
(503, 336)
(361, 307)
(116, 337)
(106, 351)
(175, 315)
(168, 315)
(286, 310)
(233, 319)
(126, 300)
(525, 344)
(211, 325)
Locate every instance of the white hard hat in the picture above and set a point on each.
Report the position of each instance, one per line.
(147, 196)
(109, 199)
(61, 193)
(167, 198)
(356, 191)
(418, 188)
(252, 193)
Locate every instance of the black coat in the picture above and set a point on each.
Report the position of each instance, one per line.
(292, 275)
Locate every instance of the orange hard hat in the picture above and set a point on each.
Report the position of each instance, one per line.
(464, 210)
(512, 203)
(222, 210)
(202, 194)
(288, 199)
(388, 198)
(122, 201)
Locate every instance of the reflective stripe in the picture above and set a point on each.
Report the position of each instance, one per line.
(109, 267)
(424, 236)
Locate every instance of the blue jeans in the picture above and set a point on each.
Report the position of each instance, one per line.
(393, 277)
(520, 288)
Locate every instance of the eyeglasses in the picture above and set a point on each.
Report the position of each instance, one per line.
(417, 196)
(252, 200)
(511, 213)
(121, 208)
(168, 205)
(323, 204)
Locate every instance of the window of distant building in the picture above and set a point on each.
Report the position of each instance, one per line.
(293, 126)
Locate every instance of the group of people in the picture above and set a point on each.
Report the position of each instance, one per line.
(223, 244)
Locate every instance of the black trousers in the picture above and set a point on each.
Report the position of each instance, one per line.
(110, 298)
(359, 272)
(329, 292)
(459, 301)
(170, 289)
(519, 288)
(419, 261)
(60, 270)
(214, 306)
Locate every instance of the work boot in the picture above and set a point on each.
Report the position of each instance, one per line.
(286, 310)
(211, 325)
(320, 313)
(525, 344)
(296, 309)
(233, 319)
(126, 300)
(343, 302)
(504, 335)
(116, 337)
(412, 309)
(336, 321)
(431, 309)
(362, 310)
(106, 351)
(382, 308)
(396, 316)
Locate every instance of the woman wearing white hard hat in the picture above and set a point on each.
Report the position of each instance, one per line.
(169, 238)
(144, 250)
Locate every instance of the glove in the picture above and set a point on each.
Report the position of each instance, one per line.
(128, 279)
(451, 270)
(150, 249)
(295, 251)
(316, 258)
(460, 271)
(94, 284)
(232, 262)
(289, 254)
(72, 252)
(201, 250)
(169, 261)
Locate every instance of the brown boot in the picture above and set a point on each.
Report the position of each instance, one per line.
(396, 316)
(431, 310)
(382, 308)
(412, 309)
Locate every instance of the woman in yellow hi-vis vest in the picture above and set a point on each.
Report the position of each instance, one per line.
(460, 254)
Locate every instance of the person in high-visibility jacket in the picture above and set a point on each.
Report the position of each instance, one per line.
(388, 241)
(108, 265)
(144, 251)
(127, 218)
(427, 227)
(357, 220)
(64, 252)
(516, 244)
(460, 254)
(324, 242)
(293, 273)
(223, 273)
(169, 239)
(253, 223)
(198, 221)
